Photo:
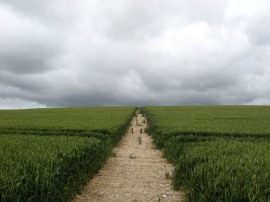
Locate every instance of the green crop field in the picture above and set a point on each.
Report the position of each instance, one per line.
(221, 153)
(48, 154)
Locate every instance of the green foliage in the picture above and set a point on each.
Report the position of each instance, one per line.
(113, 154)
(37, 168)
(90, 118)
(48, 154)
(140, 139)
(93, 121)
(225, 170)
(167, 176)
(132, 156)
(221, 153)
(210, 120)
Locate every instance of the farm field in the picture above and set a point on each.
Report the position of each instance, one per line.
(221, 153)
(48, 154)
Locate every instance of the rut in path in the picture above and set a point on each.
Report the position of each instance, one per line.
(136, 173)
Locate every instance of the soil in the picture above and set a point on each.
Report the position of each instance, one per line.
(136, 172)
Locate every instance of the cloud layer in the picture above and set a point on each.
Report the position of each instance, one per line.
(134, 52)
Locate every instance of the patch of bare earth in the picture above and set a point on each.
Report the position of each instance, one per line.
(137, 172)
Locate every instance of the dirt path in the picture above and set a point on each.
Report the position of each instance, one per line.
(136, 173)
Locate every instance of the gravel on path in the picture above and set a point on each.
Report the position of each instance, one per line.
(136, 172)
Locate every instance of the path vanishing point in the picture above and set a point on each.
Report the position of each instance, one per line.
(136, 172)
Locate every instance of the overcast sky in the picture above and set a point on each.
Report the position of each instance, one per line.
(134, 52)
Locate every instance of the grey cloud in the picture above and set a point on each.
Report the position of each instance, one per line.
(10, 103)
(140, 20)
(56, 14)
(27, 47)
(24, 83)
(23, 63)
(258, 27)
(131, 53)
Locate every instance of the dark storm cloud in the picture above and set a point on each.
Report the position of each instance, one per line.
(127, 52)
